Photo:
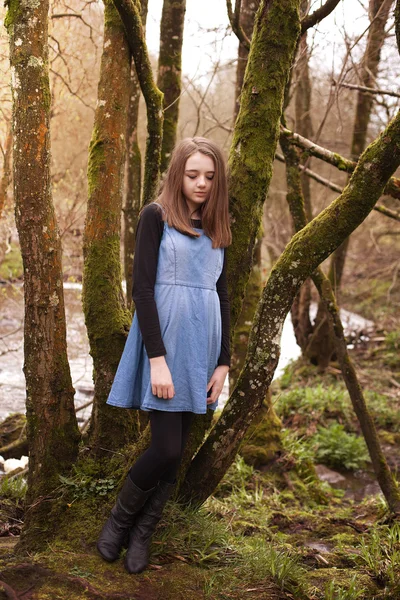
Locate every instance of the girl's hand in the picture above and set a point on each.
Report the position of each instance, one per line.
(217, 382)
(161, 380)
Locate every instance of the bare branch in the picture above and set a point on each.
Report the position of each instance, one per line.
(318, 15)
(234, 19)
(368, 90)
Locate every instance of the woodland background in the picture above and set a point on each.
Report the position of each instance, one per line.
(266, 491)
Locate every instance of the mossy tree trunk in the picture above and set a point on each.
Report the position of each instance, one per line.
(276, 28)
(133, 172)
(169, 78)
(323, 284)
(6, 175)
(52, 429)
(248, 11)
(305, 252)
(106, 317)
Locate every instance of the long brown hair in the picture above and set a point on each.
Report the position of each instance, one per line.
(214, 211)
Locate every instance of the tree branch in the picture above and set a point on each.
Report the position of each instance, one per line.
(333, 158)
(234, 20)
(130, 16)
(336, 188)
(369, 90)
(318, 15)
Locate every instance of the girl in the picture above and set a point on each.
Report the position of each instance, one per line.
(177, 353)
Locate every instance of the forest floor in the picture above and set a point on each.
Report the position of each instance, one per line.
(311, 526)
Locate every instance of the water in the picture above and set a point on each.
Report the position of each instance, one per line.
(12, 380)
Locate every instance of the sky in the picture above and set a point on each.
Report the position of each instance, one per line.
(200, 47)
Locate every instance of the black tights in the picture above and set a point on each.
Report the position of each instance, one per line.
(169, 433)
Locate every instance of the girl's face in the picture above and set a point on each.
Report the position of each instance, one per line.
(197, 179)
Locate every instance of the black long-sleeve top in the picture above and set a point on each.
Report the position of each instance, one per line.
(149, 231)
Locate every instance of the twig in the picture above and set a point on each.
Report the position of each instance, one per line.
(362, 88)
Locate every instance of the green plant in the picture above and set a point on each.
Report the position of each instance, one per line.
(261, 559)
(237, 477)
(14, 489)
(392, 340)
(319, 403)
(78, 572)
(337, 448)
(380, 552)
(336, 592)
(82, 486)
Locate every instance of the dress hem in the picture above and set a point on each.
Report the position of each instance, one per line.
(150, 408)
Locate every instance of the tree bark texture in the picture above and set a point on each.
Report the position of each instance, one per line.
(169, 79)
(106, 318)
(133, 172)
(247, 14)
(276, 29)
(129, 12)
(6, 175)
(307, 249)
(52, 429)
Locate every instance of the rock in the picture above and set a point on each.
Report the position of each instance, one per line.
(328, 475)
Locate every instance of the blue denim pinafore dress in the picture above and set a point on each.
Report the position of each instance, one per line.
(190, 321)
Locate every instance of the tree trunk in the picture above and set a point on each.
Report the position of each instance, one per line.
(321, 346)
(52, 429)
(379, 11)
(133, 173)
(170, 72)
(381, 468)
(106, 318)
(276, 29)
(248, 11)
(300, 310)
(307, 249)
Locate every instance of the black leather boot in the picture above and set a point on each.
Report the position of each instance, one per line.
(137, 557)
(129, 502)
